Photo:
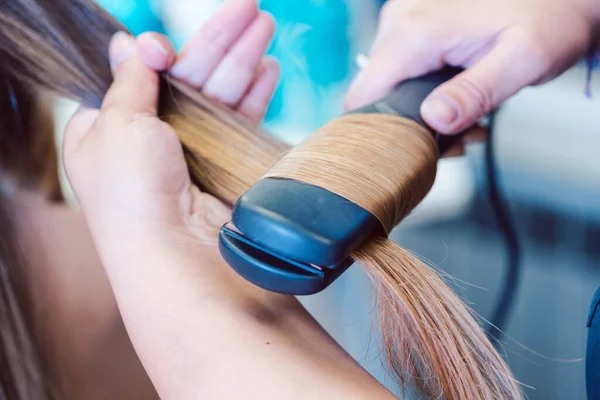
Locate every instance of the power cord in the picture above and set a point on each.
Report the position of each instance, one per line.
(504, 306)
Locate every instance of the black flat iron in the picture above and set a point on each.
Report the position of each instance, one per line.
(294, 238)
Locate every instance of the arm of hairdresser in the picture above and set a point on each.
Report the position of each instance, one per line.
(505, 45)
(199, 329)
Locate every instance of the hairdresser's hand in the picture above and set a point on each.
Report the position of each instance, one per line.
(225, 58)
(125, 165)
(505, 44)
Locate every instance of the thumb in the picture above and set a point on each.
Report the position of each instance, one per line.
(135, 88)
(462, 101)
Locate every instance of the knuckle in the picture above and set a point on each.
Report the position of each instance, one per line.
(408, 23)
(239, 60)
(395, 13)
(214, 45)
(474, 100)
(414, 14)
(531, 45)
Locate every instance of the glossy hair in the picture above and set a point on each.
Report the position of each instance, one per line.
(431, 338)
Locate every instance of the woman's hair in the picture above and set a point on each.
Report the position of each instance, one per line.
(27, 159)
(383, 163)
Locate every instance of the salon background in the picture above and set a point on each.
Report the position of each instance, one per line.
(546, 150)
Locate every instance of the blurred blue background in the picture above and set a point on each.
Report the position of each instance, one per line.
(547, 144)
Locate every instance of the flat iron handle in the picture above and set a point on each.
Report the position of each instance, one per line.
(406, 100)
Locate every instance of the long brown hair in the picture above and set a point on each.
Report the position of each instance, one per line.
(27, 159)
(430, 337)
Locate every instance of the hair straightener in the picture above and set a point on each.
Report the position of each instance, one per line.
(294, 238)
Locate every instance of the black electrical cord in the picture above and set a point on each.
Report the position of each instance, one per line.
(505, 303)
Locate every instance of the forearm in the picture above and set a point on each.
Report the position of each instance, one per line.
(201, 331)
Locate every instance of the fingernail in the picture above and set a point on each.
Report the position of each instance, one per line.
(158, 46)
(440, 109)
(121, 47)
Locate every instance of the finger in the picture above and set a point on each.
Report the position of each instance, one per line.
(120, 48)
(390, 64)
(135, 87)
(206, 49)
(155, 51)
(236, 72)
(255, 103)
(460, 102)
(77, 128)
